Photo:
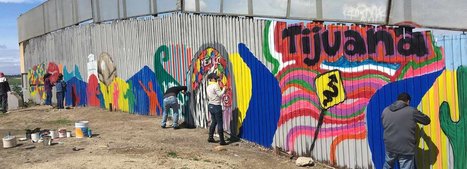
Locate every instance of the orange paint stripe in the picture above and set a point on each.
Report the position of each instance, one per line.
(436, 99)
(341, 138)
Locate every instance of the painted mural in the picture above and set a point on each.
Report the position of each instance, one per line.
(374, 63)
(309, 89)
(171, 64)
(36, 81)
(211, 58)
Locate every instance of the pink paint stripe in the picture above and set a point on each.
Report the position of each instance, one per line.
(371, 81)
(298, 94)
(298, 74)
(287, 111)
(433, 67)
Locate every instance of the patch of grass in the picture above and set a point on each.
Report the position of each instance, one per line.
(208, 161)
(172, 154)
(14, 81)
(196, 159)
(61, 122)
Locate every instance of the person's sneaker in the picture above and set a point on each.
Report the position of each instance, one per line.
(211, 140)
(163, 127)
(176, 127)
(223, 143)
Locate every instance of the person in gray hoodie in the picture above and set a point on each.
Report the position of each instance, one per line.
(399, 123)
(4, 89)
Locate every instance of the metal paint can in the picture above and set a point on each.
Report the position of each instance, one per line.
(47, 140)
(68, 134)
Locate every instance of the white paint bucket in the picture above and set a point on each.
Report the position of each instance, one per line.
(53, 134)
(68, 134)
(9, 141)
(62, 133)
(35, 137)
(81, 129)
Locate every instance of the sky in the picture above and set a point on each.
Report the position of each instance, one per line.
(9, 49)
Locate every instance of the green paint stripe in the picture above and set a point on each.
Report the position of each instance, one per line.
(295, 69)
(369, 76)
(438, 57)
(296, 100)
(302, 83)
(267, 53)
(359, 112)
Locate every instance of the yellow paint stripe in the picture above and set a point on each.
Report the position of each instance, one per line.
(444, 89)
(242, 80)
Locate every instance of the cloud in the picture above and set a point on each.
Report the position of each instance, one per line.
(9, 61)
(2, 46)
(22, 1)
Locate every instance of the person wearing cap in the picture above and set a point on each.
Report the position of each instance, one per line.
(215, 93)
(400, 122)
(4, 89)
(171, 102)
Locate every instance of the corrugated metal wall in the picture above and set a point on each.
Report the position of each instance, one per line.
(280, 95)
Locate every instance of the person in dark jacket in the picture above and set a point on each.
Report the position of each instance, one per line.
(171, 102)
(60, 87)
(399, 123)
(4, 89)
(48, 89)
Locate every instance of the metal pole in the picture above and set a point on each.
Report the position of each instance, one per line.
(388, 11)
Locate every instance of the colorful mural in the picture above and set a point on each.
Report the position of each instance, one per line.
(211, 58)
(36, 80)
(169, 63)
(306, 88)
(368, 59)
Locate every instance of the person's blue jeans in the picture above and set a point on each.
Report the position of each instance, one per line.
(216, 119)
(170, 103)
(60, 97)
(405, 161)
(48, 98)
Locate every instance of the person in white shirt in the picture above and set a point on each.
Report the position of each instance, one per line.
(215, 93)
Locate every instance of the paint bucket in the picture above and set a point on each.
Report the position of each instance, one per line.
(35, 137)
(9, 141)
(81, 129)
(53, 134)
(47, 140)
(62, 133)
(68, 134)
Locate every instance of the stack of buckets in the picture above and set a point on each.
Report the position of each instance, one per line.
(81, 129)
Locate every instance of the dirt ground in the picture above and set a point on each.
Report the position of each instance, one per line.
(124, 141)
